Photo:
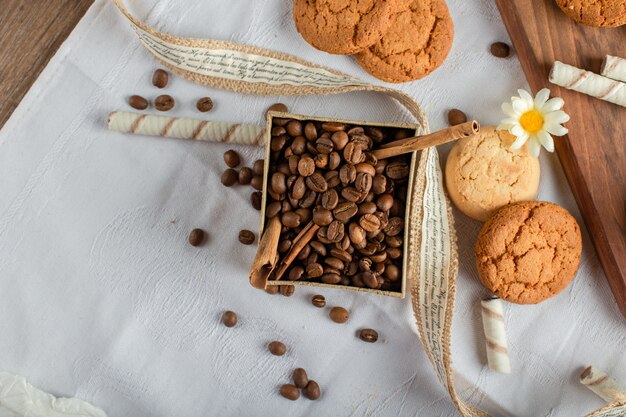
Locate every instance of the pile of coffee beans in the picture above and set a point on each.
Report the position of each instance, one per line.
(301, 381)
(324, 172)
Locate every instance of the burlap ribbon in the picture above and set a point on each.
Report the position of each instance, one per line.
(432, 257)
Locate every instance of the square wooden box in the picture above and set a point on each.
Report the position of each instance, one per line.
(270, 116)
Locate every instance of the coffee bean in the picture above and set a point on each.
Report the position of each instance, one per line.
(316, 182)
(277, 348)
(204, 104)
(333, 126)
(277, 107)
(256, 198)
(397, 170)
(138, 102)
(232, 159)
(331, 279)
(245, 176)
(318, 301)
(339, 315)
(500, 49)
(309, 199)
(351, 194)
(340, 140)
(363, 141)
(344, 211)
(305, 214)
(322, 216)
(160, 78)
(392, 272)
(368, 335)
(393, 241)
(272, 289)
(352, 153)
(335, 231)
(379, 184)
(321, 160)
(278, 143)
(365, 264)
(456, 117)
(196, 237)
(230, 177)
(394, 253)
(341, 255)
(324, 145)
(278, 182)
(284, 246)
(164, 102)
(229, 318)
(363, 182)
(334, 263)
(273, 209)
(278, 131)
(306, 166)
(334, 160)
(294, 128)
(347, 174)
(290, 219)
(384, 202)
(332, 179)
(330, 199)
(300, 378)
(367, 208)
(394, 227)
(379, 257)
(258, 167)
(290, 392)
(310, 132)
(287, 290)
(257, 182)
(369, 223)
(312, 390)
(318, 247)
(246, 237)
(314, 270)
(369, 279)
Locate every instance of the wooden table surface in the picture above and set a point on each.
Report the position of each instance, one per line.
(30, 34)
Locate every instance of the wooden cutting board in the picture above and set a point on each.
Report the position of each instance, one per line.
(593, 154)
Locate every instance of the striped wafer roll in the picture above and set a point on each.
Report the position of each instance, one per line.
(589, 83)
(495, 333)
(602, 384)
(186, 128)
(614, 67)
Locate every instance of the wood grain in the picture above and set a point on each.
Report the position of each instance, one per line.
(593, 155)
(30, 34)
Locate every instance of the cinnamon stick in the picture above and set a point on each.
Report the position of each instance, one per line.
(418, 143)
(266, 255)
(299, 242)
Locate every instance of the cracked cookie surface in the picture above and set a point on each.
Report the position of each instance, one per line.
(417, 42)
(599, 13)
(528, 251)
(482, 174)
(343, 26)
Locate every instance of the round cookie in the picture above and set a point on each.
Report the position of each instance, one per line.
(343, 26)
(483, 174)
(528, 251)
(599, 13)
(417, 42)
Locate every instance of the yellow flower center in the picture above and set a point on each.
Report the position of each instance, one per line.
(531, 121)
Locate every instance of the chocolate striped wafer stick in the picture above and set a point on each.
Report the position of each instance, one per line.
(589, 83)
(603, 385)
(495, 333)
(186, 128)
(614, 67)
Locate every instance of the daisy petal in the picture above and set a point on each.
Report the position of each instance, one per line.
(528, 99)
(546, 140)
(555, 129)
(504, 126)
(534, 147)
(558, 116)
(517, 130)
(520, 141)
(508, 110)
(541, 97)
(520, 106)
(555, 103)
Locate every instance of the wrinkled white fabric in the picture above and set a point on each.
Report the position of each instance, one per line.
(18, 398)
(102, 298)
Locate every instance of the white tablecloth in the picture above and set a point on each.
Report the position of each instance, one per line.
(102, 298)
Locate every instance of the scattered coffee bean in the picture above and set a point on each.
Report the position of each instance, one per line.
(312, 390)
(256, 198)
(246, 237)
(277, 348)
(318, 301)
(257, 182)
(204, 104)
(277, 107)
(196, 237)
(339, 315)
(287, 290)
(160, 78)
(138, 102)
(290, 392)
(258, 167)
(456, 117)
(368, 335)
(272, 289)
(300, 378)
(229, 318)
(230, 177)
(232, 159)
(500, 49)
(164, 102)
(245, 176)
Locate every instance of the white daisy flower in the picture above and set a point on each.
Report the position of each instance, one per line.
(533, 121)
